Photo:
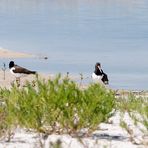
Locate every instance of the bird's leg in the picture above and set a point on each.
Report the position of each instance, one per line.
(18, 82)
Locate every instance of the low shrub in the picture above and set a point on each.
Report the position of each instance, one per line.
(57, 105)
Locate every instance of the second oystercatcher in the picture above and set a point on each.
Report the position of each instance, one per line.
(19, 71)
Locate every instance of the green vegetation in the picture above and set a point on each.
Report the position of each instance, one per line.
(61, 106)
(57, 105)
(137, 109)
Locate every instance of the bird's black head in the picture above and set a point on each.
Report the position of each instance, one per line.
(11, 64)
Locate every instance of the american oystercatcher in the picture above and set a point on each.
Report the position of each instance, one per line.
(98, 74)
(19, 71)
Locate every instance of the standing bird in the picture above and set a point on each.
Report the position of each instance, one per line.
(18, 71)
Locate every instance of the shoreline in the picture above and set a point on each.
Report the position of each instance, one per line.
(5, 53)
(9, 79)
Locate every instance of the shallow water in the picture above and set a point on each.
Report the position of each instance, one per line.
(75, 34)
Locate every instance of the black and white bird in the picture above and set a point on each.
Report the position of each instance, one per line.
(19, 71)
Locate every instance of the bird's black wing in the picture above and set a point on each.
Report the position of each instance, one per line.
(19, 69)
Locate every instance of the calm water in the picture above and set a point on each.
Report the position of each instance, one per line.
(75, 34)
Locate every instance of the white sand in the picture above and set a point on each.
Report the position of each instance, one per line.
(109, 135)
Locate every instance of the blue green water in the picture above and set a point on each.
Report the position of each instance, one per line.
(75, 34)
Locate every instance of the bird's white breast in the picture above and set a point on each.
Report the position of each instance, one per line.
(15, 74)
(94, 76)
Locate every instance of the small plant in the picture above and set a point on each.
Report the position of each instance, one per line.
(67, 74)
(81, 78)
(4, 70)
(137, 110)
(2, 122)
(129, 131)
(57, 144)
(136, 107)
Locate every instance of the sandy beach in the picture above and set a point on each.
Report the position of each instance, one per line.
(107, 135)
(5, 53)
